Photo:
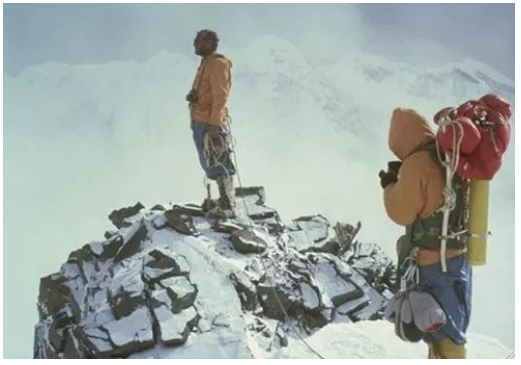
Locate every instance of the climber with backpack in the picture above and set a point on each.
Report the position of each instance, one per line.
(432, 191)
(209, 122)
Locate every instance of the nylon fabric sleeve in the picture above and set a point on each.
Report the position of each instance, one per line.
(405, 199)
(220, 89)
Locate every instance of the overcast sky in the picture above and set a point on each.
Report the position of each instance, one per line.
(418, 33)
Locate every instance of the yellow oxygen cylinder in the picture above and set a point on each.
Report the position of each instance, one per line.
(478, 222)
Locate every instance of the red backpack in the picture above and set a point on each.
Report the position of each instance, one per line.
(479, 131)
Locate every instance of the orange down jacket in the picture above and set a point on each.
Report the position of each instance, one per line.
(418, 193)
(212, 85)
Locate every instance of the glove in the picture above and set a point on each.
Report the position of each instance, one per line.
(394, 166)
(191, 97)
(387, 177)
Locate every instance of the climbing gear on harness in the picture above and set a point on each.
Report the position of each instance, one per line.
(217, 148)
(427, 233)
(409, 268)
(413, 311)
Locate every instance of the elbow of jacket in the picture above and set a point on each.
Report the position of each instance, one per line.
(402, 221)
(399, 217)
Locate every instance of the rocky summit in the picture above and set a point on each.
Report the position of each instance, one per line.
(171, 283)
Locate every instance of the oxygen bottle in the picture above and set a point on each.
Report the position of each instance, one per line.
(478, 222)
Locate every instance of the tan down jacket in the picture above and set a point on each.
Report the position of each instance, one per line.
(212, 84)
(419, 190)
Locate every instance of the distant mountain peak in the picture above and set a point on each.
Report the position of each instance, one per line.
(272, 42)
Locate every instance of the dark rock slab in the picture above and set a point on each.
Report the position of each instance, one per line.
(252, 191)
(96, 342)
(53, 295)
(43, 349)
(55, 336)
(316, 227)
(179, 220)
(111, 247)
(245, 241)
(371, 261)
(118, 217)
(72, 348)
(84, 258)
(174, 329)
(345, 235)
(181, 291)
(127, 296)
(191, 209)
(277, 297)
(353, 306)
(110, 234)
(161, 264)
(310, 296)
(131, 334)
(132, 244)
(246, 290)
(335, 287)
(227, 226)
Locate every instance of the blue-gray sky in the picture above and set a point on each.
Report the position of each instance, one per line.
(420, 33)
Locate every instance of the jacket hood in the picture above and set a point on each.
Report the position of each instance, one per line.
(408, 130)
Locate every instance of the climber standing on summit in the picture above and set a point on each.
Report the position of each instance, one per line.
(209, 115)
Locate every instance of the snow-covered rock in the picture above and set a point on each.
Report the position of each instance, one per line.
(149, 288)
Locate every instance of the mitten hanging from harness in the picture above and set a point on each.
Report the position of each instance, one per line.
(414, 312)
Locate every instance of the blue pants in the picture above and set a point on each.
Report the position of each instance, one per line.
(453, 291)
(213, 166)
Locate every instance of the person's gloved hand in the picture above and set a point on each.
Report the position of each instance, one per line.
(394, 166)
(387, 177)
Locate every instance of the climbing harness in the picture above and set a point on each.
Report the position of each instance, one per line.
(411, 273)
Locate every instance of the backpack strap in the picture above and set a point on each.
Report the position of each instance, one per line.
(427, 232)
